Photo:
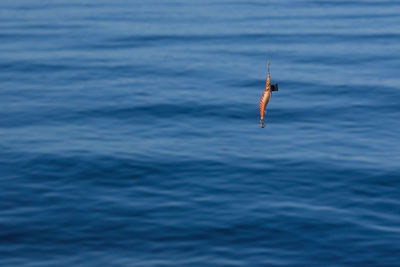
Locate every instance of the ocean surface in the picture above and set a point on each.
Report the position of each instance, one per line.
(129, 133)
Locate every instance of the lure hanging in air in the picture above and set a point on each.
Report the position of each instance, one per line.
(266, 96)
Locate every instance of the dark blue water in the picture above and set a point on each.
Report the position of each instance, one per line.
(129, 133)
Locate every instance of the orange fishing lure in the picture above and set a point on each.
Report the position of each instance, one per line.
(266, 96)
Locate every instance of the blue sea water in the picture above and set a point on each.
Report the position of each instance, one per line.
(129, 133)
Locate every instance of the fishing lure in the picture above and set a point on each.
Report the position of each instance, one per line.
(266, 96)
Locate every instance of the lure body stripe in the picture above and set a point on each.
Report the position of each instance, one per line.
(265, 97)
